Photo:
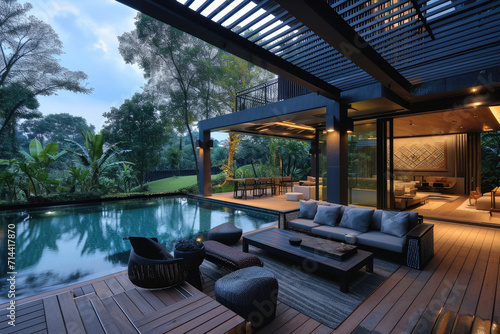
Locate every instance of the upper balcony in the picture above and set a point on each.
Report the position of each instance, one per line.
(275, 90)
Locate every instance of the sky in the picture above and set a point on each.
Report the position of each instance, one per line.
(88, 30)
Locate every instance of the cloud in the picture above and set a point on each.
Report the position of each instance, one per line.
(51, 9)
(101, 45)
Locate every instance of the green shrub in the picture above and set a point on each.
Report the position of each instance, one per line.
(363, 183)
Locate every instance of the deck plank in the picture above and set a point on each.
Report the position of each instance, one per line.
(307, 327)
(54, 318)
(114, 285)
(88, 289)
(151, 298)
(72, 320)
(105, 317)
(281, 320)
(172, 308)
(408, 309)
(102, 289)
(30, 326)
(128, 306)
(89, 317)
(121, 320)
(292, 325)
(125, 282)
(21, 313)
(471, 299)
(227, 315)
(183, 315)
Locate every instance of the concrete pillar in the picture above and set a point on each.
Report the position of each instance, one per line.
(205, 164)
(336, 153)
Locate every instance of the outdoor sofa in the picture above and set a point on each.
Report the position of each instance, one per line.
(399, 235)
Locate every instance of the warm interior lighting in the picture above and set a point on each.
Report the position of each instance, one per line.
(330, 130)
(295, 126)
(487, 128)
(475, 104)
(473, 90)
(495, 110)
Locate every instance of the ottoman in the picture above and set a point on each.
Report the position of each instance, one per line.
(294, 196)
(250, 292)
(228, 257)
(226, 233)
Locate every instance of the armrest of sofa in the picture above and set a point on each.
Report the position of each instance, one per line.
(286, 216)
(420, 243)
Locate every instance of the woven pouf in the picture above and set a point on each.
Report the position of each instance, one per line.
(251, 292)
(225, 233)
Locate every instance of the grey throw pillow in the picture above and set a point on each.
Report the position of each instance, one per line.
(327, 215)
(307, 209)
(395, 223)
(358, 219)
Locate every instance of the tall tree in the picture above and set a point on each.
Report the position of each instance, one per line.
(29, 63)
(169, 58)
(138, 124)
(56, 128)
(237, 75)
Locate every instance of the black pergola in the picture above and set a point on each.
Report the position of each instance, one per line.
(370, 59)
(334, 46)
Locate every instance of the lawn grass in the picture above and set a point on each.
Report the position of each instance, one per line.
(173, 184)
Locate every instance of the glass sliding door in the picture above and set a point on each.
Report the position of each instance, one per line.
(362, 164)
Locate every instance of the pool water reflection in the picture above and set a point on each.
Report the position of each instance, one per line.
(69, 244)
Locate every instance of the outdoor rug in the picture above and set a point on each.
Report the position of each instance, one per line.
(316, 294)
(465, 206)
(437, 200)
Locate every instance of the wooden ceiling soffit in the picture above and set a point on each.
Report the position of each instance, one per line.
(181, 17)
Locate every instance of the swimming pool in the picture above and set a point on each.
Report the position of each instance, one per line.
(64, 245)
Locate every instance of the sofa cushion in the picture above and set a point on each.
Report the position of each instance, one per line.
(376, 220)
(333, 232)
(302, 224)
(321, 202)
(341, 212)
(327, 215)
(381, 240)
(356, 218)
(307, 209)
(395, 223)
(412, 220)
(149, 248)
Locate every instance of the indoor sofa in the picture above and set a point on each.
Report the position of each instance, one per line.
(400, 235)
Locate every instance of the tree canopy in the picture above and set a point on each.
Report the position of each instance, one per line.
(139, 126)
(29, 65)
(56, 128)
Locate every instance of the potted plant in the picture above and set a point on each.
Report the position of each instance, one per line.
(193, 252)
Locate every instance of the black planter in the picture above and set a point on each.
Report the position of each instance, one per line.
(193, 261)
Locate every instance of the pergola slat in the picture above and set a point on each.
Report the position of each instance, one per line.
(399, 34)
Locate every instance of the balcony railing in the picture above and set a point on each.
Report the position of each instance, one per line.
(269, 92)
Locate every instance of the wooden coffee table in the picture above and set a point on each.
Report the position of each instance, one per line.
(275, 240)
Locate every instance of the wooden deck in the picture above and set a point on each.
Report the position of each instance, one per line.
(114, 305)
(458, 291)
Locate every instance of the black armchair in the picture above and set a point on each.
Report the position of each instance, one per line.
(151, 266)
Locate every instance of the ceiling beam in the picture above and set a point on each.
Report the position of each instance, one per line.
(318, 16)
(187, 20)
(422, 19)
